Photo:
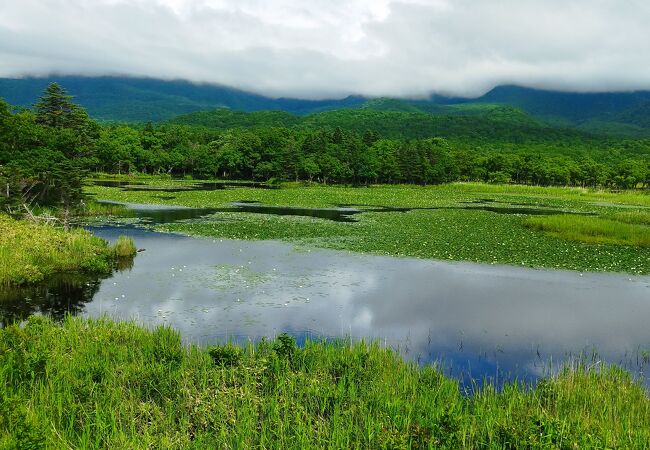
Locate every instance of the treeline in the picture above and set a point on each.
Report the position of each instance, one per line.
(341, 156)
(46, 152)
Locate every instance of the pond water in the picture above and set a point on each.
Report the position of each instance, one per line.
(196, 186)
(480, 321)
(161, 214)
(343, 213)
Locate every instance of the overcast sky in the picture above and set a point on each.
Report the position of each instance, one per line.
(331, 48)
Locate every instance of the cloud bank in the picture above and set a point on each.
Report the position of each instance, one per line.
(333, 48)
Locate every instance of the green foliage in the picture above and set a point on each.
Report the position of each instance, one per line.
(45, 154)
(56, 110)
(226, 355)
(100, 384)
(224, 118)
(634, 217)
(482, 142)
(285, 346)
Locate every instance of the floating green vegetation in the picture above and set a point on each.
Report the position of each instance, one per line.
(227, 276)
(100, 384)
(447, 233)
(595, 230)
(29, 252)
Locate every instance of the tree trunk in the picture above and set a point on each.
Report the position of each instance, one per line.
(66, 217)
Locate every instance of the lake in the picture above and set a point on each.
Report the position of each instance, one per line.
(479, 321)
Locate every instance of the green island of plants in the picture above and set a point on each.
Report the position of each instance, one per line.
(447, 222)
(595, 230)
(100, 384)
(30, 252)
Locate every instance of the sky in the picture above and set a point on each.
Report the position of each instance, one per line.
(333, 48)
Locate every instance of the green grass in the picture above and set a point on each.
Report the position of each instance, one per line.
(101, 384)
(595, 230)
(30, 252)
(633, 217)
(446, 234)
(124, 247)
(92, 208)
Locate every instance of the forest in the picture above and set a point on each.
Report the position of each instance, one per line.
(47, 151)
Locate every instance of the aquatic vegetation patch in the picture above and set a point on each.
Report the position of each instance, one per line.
(595, 230)
(424, 222)
(227, 276)
(101, 384)
(456, 235)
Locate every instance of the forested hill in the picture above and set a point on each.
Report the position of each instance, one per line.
(568, 106)
(494, 125)
(124, 99)
(623, 113)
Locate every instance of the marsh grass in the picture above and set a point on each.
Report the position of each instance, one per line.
(124, 247)
(29, 252)
(92, 208)
(632, 217)
(100, 384)
(625, 230)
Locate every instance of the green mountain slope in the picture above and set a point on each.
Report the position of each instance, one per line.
(492, 111)
(624, 114)
(224, 118)
(141, 99)
(494, 124)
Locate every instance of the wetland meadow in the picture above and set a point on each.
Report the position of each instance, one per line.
(514, 225)
(318, 316)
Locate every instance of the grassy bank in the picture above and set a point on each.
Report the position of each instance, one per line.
(595, 230)
(30, 252)
(448, 222)
(100, 384)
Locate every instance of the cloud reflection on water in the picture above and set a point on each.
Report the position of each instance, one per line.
(513, 318)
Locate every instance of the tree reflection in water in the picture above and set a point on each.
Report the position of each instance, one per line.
(56, 297)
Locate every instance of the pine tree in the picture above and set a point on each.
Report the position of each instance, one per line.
(55, 109)
(71, 134)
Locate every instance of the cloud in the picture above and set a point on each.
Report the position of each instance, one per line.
(332, 48)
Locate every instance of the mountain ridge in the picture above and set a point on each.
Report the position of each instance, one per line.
(131, 99)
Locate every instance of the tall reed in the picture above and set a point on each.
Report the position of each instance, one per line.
(101, 384)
